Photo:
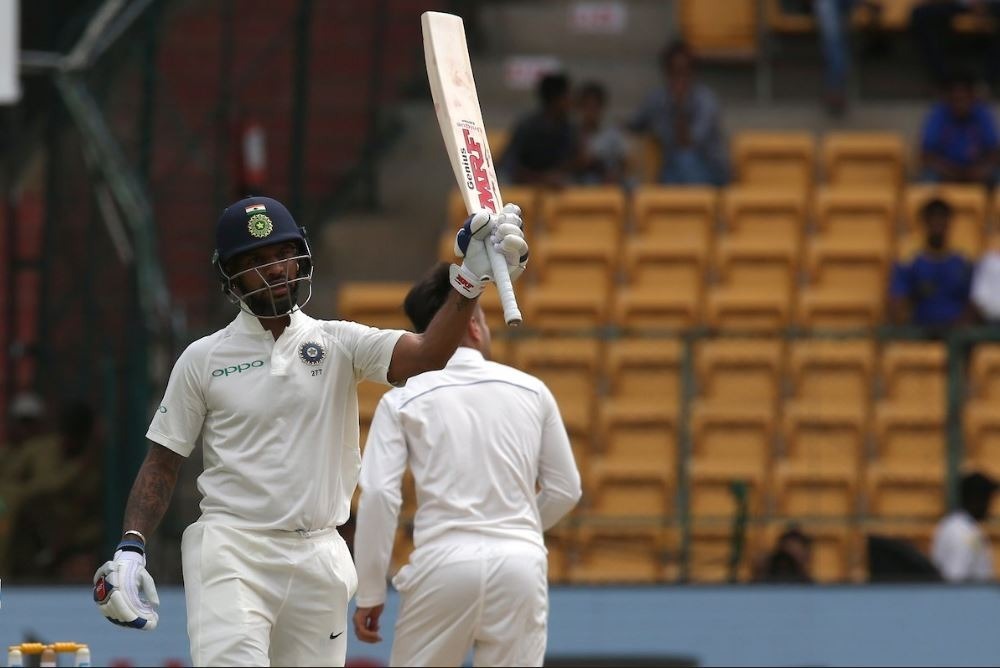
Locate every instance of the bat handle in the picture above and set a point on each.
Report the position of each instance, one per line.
(511, 314)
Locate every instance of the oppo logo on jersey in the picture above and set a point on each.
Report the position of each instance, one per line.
(239, 368)
(476, 165)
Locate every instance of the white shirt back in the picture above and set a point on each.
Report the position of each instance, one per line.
(278, 420)
(961, 551)
(481, 439)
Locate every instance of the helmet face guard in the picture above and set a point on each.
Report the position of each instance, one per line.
(263, 302)
(254, 223)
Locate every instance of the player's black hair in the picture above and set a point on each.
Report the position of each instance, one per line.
(975, 492)
(593, 89)
(427, 296)
(677, 47)
(936, 206)
(552, 87)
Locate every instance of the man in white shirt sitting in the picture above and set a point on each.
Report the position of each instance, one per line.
(493, 469)
(961, 550)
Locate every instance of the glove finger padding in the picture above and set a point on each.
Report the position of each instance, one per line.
(125, 593)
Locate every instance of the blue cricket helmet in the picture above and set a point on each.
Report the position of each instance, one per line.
(252, 223)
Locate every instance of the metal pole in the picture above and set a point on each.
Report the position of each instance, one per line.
(300, 106)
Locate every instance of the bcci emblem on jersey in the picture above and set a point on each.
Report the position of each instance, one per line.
(311, 352)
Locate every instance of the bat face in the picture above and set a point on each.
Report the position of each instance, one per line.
(479, 171)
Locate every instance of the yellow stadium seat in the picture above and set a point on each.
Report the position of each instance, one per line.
(374, 304)
(369, 394)
(856, 216)
(895, 14)
(573, 285)
(638, 443)
(501, 348)
(864, 159)
(731, 443)
(914, 372)
(764, 216)
(644, 372)
(984, 371)
(768, 159)
(846, 286)
(609, 555)
(756, 285)
(982, 436)
(968, 225)
(711, 552)
(593, 215)
(740, 371)
(569, 367)
(489, 301)
(832, 372)
(780, 20)
(819, 474)
(907, 478)
(679, 218)
(561, 545)
(644, 303)
(725, 29)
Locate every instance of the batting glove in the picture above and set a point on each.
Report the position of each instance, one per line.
(124, 590)
(505, 232)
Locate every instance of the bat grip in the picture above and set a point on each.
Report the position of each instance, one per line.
(511, 314)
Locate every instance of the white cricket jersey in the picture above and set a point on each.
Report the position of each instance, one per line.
(481, 440)
(961, 551)
(278, 420)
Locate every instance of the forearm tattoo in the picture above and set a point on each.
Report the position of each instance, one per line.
(150, 495)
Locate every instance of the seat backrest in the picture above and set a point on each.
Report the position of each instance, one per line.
(764, 158)
(914, 372)
(739, 371)
(909, 437)
(594, 212)
(832, 372)
(864, 159)
(733, 435)
(856, 212)
(645, 370)
(720, 28)
(675, 212)
(764, 212)
(823, 435)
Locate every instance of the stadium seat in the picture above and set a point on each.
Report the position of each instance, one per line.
(560, 543)
(573, 285)
(374, 304)
(637, 554)
(968, 226)
(730, 443)
(369, 394)
(856, 217)
(569, 367)
(711, 552)
(984, 371)
(764, 158)
(782, 21)
(913, 372)
(643, 303)
(832, 372)
(756, 286)
(907, 477)
(720, 29)
(637, 444)
(818, 476)
(739, 371)
(677, 217)
(982, 436)
(864, 159)
(846, 286)
(644, 372)
(764, 216)
(585, 215)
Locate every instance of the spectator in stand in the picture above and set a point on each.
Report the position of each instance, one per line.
(603, 148)
(683, 116)
(790, 562)
(961, 550)
(932, 290)
(544, 145)
(960, 141)
(931, 23)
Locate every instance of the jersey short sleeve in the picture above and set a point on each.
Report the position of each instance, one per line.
(370, 349)
(178, 419)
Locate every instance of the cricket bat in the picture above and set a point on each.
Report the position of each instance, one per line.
(457, 105)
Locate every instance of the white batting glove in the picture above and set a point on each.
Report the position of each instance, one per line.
(505, 231)
(124, 590)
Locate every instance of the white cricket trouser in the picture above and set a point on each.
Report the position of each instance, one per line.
(467, 591)
(260, 598)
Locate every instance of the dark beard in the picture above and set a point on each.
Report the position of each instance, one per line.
(262, 304)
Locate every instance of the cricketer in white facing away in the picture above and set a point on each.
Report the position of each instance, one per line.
(272, 398)
(480, 439)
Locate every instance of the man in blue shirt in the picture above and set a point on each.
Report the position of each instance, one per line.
(684, 117)
(960, 137)
(932, 290)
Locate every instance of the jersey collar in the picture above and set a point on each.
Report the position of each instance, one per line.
(249, 324)
(465, 355)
